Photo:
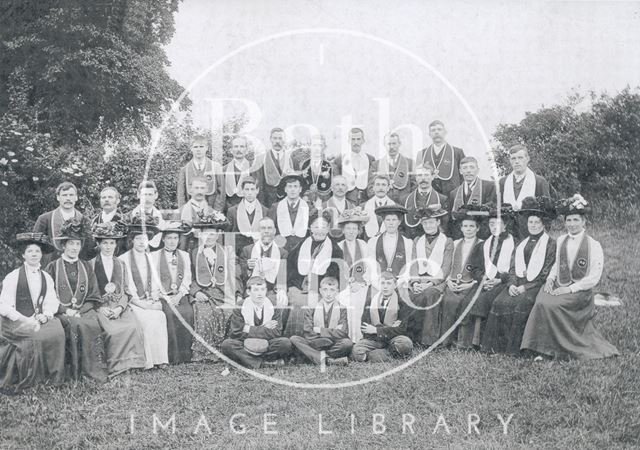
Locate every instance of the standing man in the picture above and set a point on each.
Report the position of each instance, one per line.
(202, 166)
(423, 197)
(521, 183)
(109, 202)
(236, 171)
(245, 216)
(269, 168)
(355, 167)
(51, 222)
(397, 167)
(291, 214)
(444, 157)
(473, 191)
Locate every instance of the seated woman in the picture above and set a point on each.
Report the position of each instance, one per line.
(560, 324)
(314, 258)
(498, 250)
(123, 335)
(32, 341)
(533, 259)
(433, 253)
(355, 256)
(173, 268)
(214, 287)
(77, 290)
(467, 270)
(144, 288)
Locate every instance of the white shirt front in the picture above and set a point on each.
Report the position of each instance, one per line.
(596, 261)
(10, 285)
(107, 264)
(437, 149)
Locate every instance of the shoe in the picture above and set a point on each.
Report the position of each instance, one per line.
(338, 361)
(276, 363)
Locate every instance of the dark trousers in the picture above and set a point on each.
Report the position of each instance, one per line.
(233, 349)
(312, 348)
(378, 351)
(179, 337)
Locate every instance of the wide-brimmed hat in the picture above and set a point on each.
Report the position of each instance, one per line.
(398, 210)
(472, 212)
(73, 228)
(177, 226)
(354, 215)
(538, 206)
(505, 211)
(40, 239)
(290, 176)
(211, 219)
(573, 205)
(431, 212)
(109, 230)
(256, 346)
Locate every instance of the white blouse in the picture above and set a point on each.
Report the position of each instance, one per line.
(34, 280)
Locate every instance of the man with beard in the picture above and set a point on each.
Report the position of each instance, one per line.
(313, 259)
(423, 197)
(202, 167)
(51, 222)
(236, 171)
(354, 165)
(269, 168)
(444, 157)
(265, 259)
(397, 167)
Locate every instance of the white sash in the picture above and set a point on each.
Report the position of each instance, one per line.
(431, 265)
(372, 228)
(391, 314)
(317, 265)
(246, 228)
(537, 258)
(504, 259)
(355, 179)
(318, 315)
(248, 308)
(528, 189)
(231, 187)
(266, 267)
(285, 227)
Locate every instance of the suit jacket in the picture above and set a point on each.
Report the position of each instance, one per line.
(341, 332)
(355, 196)
(268, 195)
(245, 272)
(215, 200)
(236, 326)
(488, 193)
(386, 333)
(542, 189)
(294, 278)
(396, 194)
(444, 186)
(241, 239)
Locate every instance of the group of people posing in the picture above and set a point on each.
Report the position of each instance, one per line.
(295, 258)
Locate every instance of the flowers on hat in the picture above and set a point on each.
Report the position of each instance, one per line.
(72, 228)
(212, 216)
(109, 229)
(356, 214)
(148, 219)
(576, 204)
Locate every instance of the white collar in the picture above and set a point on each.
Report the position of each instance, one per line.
(31, 269)
(519, 178)
(108, 216)
(468, 240)
(438, 148)
(66, 215)
(69, 260)
(295, 203)
(577, 236)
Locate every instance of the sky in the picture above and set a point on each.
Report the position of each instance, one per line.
(382, 64)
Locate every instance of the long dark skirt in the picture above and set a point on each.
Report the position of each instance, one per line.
(506, 322)
(480, 309)
(451, 309)
(123, 342)
(428, 316)
(211, 322)
(179, 337)
(561, 326)
(33, 358)
(85, 353)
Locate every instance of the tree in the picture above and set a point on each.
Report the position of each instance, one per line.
(594, 152)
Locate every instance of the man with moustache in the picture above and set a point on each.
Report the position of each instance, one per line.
(355, 165)
(444, 157)
(245, 217)
(521, 183)
(51, 222)
(264, 259)
(473, 191)
(337, 204)
(202, 167)
(109, 202)
(423, 197)
(270, 167)
(234, 172)
(397, 167)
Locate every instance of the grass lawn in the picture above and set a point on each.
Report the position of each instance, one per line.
(593, 404)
